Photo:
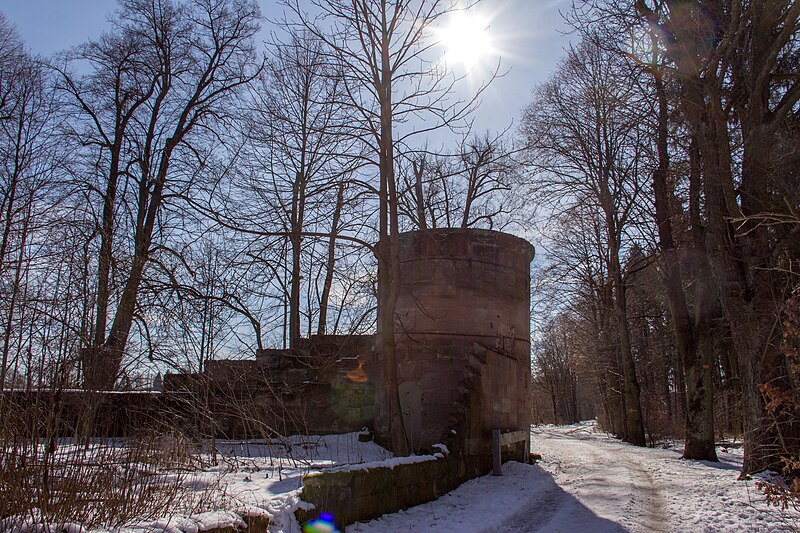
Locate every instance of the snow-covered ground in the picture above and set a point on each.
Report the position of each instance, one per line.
(244, 478)
(589, 482)
(263, 479)
(585, 482)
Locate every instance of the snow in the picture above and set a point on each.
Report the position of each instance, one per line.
(585, 482)
(34, 524)
(192, 524)
(442, 449)
(589, 482)
(254, 478)
(260, 478)
(386, 463)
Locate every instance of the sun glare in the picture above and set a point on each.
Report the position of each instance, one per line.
(466, 40)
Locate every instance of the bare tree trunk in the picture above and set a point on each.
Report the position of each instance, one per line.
(106, 359)
(389, 261)
(631, 393)
(9, 201)
(294, 291)
(692, 338)
(631, 390)
(106, 245)
(331, 262)
(15, 293)
(699, 366)
(748, 307)
(419, 170)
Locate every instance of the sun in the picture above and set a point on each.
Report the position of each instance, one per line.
(466, 40)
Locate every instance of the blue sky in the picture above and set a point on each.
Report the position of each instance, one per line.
(527, 32)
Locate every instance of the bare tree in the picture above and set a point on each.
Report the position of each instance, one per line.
(303, 152)
(471, 188)
(11, 50)
(28, 161)
(582, 132)
(383, 49)
(735, 66)
(554, 372)
(162, 76)
(578, 268)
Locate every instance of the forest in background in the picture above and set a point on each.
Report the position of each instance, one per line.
(173, 191)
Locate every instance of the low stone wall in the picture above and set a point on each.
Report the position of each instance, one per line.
(365, 492)
(255, 405)
(69, 413)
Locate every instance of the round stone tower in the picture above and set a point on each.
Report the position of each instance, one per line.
(463, 335)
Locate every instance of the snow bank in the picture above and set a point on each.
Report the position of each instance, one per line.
(385, 463)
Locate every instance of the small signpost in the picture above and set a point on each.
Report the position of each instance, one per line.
(499, 440)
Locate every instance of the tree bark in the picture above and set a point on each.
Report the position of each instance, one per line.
(331, 262)
(389, 261)
(692, 337)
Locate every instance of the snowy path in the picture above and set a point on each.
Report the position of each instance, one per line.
(597, 480)
(647, 489)
(589, 482)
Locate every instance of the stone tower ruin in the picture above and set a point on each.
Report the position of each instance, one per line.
(463, 337)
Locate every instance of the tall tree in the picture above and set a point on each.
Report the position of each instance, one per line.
(582, 131)
(383, 49)
(693, 330)
(164, 74)
(735, 63)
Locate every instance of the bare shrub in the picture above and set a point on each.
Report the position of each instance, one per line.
(102, 483)
(782, 404)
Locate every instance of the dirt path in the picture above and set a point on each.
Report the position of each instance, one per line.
(599, 487)
(588, 482)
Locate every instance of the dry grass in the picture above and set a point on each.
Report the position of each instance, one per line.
(101, 483)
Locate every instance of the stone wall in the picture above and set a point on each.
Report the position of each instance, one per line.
(365, 492)
(324, 386)
(359, 493)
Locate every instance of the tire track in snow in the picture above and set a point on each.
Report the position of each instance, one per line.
(601, 487)
(539, 512)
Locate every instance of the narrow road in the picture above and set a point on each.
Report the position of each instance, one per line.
(588, 482)
(599, 486)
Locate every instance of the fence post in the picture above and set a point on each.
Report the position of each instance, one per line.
(496, 451)
(526, 449)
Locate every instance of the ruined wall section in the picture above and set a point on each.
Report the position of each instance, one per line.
(321, 387)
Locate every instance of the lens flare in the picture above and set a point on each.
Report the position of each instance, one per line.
(358, 375)
(323, 524)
